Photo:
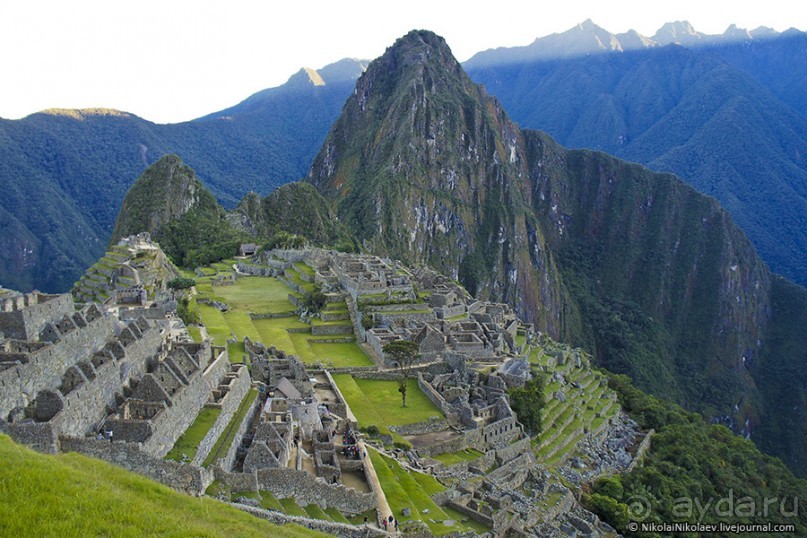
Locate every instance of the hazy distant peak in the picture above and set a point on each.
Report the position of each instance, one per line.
(735, 33)
(678, 32)
(763, 32)
(305, 77)
(632, 40)
(346, 69)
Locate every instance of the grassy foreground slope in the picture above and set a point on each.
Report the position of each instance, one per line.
(73, 495)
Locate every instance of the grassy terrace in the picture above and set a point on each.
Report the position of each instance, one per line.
(378, 402)
(186, 446)
(73, 495)
(263, 295)
(286, 506)
(453, 458)
(226, 438)
(566, 423)
(413, 490)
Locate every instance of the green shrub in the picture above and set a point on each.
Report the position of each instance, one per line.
(181, 283)
(372, 430)
(528, 403)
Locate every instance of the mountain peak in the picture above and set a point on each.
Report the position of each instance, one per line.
(166, 190)
(419, 47)
(678, 32)
(306, 76)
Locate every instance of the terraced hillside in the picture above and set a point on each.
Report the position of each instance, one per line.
(578, 401)
(123, 267)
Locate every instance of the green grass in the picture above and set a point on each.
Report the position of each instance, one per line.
(358, 519)
(270, 502)
(291, 507)
(237, 352)
(379, 402)
(452, 458)
(303, 268)
(336, 515)
(195, 333)
(189, 442)
(428, 483)
(475, 526)
(226, 438)
(364, 410)
(403, 490)
(336, 307)
(385, 397)
(73, 495)
(316, 512)
(257, 294)
(265, 295)
(294, 277)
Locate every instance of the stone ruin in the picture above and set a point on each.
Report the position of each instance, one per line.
(120, 389)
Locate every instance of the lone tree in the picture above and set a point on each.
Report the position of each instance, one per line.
(403, 354)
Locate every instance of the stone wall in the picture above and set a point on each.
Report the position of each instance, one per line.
(238, 389)
(421, 428)
(641, 451)
(340, 399)
(41, 436)
(447, 312)
(256, 270)
(271, 315)
(237, 482)
(384, 375)
(473, 514)
(46, 365)
(331, 329)
(513, 450)
(227, 461)
(433, 395)
(504, 431)
(469, 439)
(328, 527)
(169, 425)
(23, 317)
(306, 489)
(185, 478)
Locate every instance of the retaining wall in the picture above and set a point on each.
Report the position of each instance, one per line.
(305, 489)
(130, 456)
(239, 387)
(329, 527)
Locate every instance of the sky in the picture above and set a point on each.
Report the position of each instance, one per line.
(175, 60)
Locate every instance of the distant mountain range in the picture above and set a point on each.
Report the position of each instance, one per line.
(587, 38)
(64, 173)
(727, 114)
